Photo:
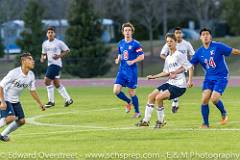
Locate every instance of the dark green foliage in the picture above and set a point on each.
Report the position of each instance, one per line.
(88, 56)
(33, 34)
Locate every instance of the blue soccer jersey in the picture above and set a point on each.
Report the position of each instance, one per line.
(129, 51)
(127, 74)
(212, 60)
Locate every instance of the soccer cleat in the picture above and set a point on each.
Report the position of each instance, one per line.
(224, 120)
(136, 115)
(142, 123)
(175, 109)
(128, 108)
(67, 103)
(160, 124)
(4, 138)
(49, 104)
(204, 126)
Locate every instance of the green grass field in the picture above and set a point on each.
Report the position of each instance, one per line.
(97, 123)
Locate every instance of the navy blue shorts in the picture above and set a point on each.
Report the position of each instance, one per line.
(14, 109)
(53, 71)
(218, 85)
(174, 90)
(127, 80)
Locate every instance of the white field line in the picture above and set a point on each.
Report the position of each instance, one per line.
(91, 128)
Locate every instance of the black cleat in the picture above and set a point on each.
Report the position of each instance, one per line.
(49, 104)
(142, 124)
(160, 124)
(67, 103)
(4, 138)
(175, 109)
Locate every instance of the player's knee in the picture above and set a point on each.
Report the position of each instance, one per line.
(132, 93)
(47, 82)
(214, 99)
(159, 97)
(10, 119)
(151, 97)
(21, 122)
(116, 91)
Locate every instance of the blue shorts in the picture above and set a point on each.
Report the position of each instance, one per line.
(127, 80)
(174, 90)
(14, 109)
(53, 71)
(218, 85)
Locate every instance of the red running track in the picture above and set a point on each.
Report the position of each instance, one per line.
(234, 81)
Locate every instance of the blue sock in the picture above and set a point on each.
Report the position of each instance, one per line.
(205, 113)
(123, 97)
(135, 103)
(221, 108)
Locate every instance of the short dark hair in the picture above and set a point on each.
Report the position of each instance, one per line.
(128, 24)
(171, 35)
(51, 28)
(24, 55)
(205, 30)
(178, 28)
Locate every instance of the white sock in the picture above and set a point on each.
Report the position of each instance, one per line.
(160, 114)
(2, 122)
(175, 102)
(63, 92)
(10, 128)
(148, 112)
(50, 90)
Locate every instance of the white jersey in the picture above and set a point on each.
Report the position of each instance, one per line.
(52, 48)
(174, 62)
(14, 83)
(184, 46)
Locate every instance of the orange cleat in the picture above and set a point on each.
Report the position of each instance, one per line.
(128, 108)
(224, 120)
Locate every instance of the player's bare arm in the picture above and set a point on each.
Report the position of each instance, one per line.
(3, 104)
(163, 56)
(43, 57)
(190, 75)
(37, 99)
(138, 59)
(117, 59)
(162, 74)
(63, 54)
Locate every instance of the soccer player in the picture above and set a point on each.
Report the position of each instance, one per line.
(54, 50)
(129, 54)
(11, 88)
(211, 55)
(174, 87)
(185, 48)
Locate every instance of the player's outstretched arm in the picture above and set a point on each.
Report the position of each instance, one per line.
(37, 99)
(190, 75)
(235, 51)
(3, 104)
(162, 74)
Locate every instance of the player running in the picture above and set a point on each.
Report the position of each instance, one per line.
(11, 88)
(211, 55)
(54, 50)
(129, 53)
(186, 49)
(174, 87)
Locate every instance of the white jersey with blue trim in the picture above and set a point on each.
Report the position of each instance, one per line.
(174, 62)
(184, 47)
(52, 48)
(14, 83)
